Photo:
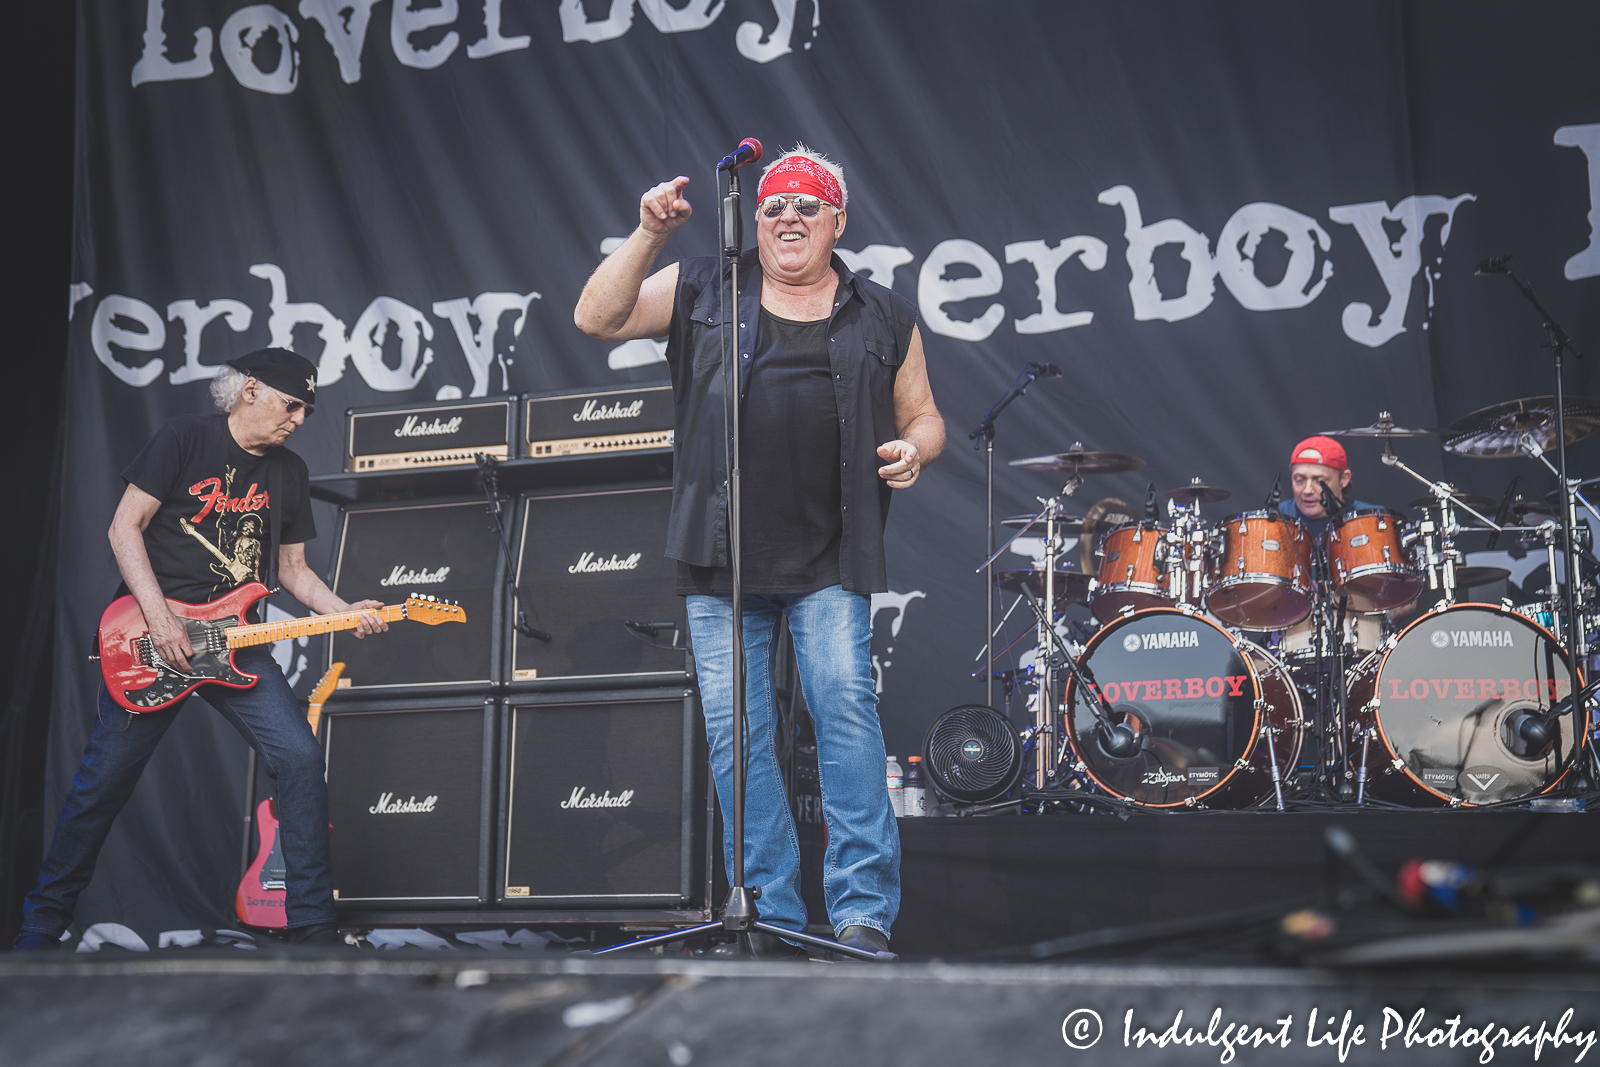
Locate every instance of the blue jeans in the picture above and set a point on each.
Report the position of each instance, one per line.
(271, 721)
(832, 632)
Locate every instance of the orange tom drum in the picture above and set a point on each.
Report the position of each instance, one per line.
(1262, 578)
(1132, 570)
(1367, 563)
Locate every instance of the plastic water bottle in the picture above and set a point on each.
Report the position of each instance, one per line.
(897, 788)
(916, 802)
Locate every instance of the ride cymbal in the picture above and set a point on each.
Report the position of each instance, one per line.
(1384, 427)
(1078, 461)
(1497, 431)
(1065, 522)
(1071, 587)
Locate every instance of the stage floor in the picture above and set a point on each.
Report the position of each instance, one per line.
(973, 884)
(415, 1009)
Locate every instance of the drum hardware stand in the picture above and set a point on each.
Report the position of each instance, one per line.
(1361, 771)
(1118, 739)
(740, 916)
(985, 430)
(1341, 699)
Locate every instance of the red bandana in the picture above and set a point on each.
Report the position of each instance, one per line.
(800, 175)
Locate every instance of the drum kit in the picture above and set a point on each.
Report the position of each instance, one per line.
(1232, 656)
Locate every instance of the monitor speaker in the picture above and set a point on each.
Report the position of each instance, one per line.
(606, 801)
(411, 801)
(441, 549)
(592, 572)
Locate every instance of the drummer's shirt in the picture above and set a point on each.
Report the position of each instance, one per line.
(1318, 527)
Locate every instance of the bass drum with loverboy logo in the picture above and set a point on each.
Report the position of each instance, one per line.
(1212, 712)
(1467, 705)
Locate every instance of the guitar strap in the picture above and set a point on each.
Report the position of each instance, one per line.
(275, 514)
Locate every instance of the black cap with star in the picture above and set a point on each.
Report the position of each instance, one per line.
(288, 372)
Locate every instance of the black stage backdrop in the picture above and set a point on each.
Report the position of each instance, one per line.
(1230, 224)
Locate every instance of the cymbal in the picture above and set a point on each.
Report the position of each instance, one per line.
(1078, 461)
(1496, 432)
(1468, 577)
(1533, 512)
(1065, 522)
(1472, 500)
(1384, 427)
(1071, 587)
(1587, 487)
(1197, 492)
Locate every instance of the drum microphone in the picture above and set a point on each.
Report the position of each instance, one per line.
(1504, 511)
(1150, 512)
(1118, 741)
(1493, 265)
(749, 151)
(1277, 493)
(1332, 506)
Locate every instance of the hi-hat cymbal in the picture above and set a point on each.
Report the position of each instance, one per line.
(1472, 500)
(1384, 427)
(1468, 577)
(1071, 587)
(1197, 492)
(1078, 461)
(1066, 523)
(1496, 432)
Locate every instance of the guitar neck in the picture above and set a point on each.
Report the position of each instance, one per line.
(264, 633)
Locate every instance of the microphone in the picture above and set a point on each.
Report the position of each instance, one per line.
(1118, 741)
(1276, 494)
(1504, 511)
(1493, 265)
(650, 629)
(749, 151)
(1150, 512)
(1332, 507)
(1046, 370)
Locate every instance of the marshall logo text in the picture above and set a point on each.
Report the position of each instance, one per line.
(594, 411)
(589, 563)
(402, 576)
(415, 427)
(388, 805)
(605, 800)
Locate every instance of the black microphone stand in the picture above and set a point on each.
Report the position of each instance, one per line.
(489, 478)
(740, 916)
(985, 431)
(1560, 343)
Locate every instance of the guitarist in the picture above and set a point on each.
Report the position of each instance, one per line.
(198, 508)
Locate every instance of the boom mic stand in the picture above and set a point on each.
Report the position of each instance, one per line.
(489, 478)
(1030, 371)
(740, 916)
(1560, 343)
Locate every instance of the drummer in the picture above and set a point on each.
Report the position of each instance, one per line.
(1317, 462)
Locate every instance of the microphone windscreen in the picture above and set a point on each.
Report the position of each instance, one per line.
(755, 148)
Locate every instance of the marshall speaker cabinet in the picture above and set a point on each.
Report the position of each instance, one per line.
(591, 573)
(606, 801)
(429, 435)
(595, 422)
(410, 797)
(447, 550)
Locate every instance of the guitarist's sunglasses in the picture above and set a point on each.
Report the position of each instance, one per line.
(290, 404)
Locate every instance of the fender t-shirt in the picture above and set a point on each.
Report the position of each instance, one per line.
(210, 535)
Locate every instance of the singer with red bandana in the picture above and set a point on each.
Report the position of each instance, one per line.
(838, 414)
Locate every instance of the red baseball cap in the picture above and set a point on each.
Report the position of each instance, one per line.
(1319, 449)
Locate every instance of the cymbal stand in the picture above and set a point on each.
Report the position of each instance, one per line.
(985, 430)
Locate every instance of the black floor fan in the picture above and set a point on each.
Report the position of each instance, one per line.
(972, 755)
(740, 917)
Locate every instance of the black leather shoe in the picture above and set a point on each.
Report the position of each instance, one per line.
(315, 934)
(35, 943)
(765, 946)
(864, 937)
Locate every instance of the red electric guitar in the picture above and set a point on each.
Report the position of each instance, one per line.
(140, 680)
(260, 899)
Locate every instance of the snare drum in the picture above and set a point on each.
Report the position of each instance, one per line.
(1132, 570)
(1262, 579)
(1367, 564)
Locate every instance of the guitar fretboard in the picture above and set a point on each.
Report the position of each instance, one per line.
(264, 633)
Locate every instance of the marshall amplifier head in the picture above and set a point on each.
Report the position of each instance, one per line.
(418, 436)
(411, 801)
(446, 550)
(595, 422)
(592, 573)
(605, 803)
